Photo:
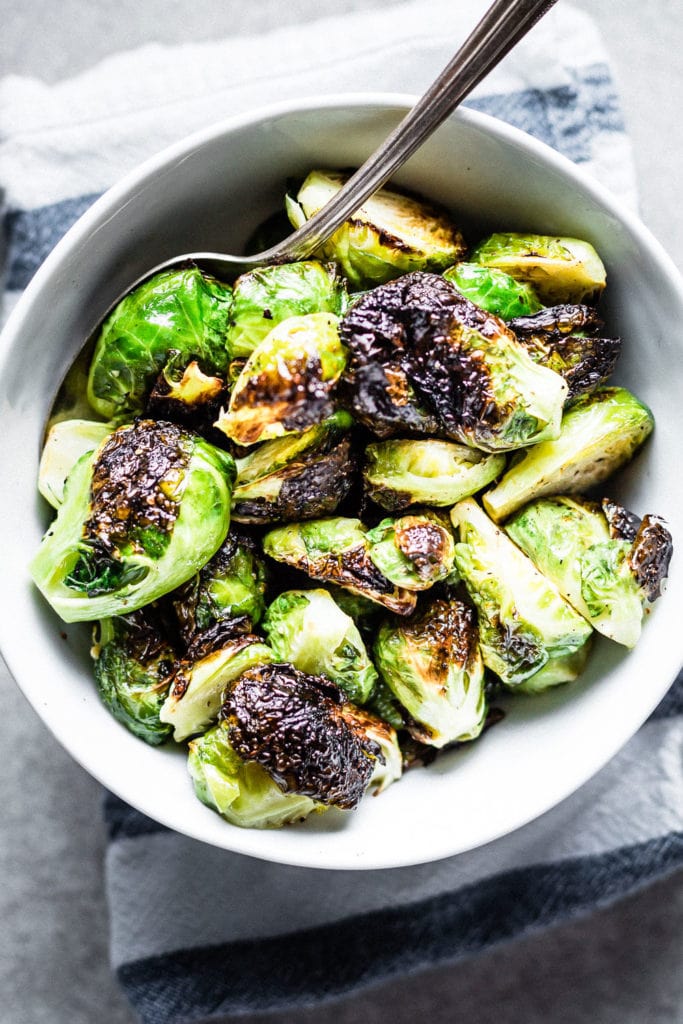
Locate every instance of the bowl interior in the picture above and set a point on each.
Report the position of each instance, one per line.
(210, 192)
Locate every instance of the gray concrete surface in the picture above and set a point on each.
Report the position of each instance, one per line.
(619, 966)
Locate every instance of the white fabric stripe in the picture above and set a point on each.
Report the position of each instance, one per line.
(636, 797)
(82, 134)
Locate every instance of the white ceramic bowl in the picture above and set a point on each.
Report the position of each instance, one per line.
(208, 192)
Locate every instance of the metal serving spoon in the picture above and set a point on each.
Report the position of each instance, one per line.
(501, 28)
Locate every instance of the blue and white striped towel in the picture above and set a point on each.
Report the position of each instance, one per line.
(197, 932)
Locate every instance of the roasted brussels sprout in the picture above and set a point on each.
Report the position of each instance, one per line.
(600, 432)
(241, 791)
(417, 344)
(390, 234)
(140, 516)
(565, 339)
(401, 473)
(432, 664)
(335, 550)
(389, 761)
(308, 629)
(303, 731)
(134, 666)
(494, 290)
(230, 585)
(266, 296)
(66, 442)
(201, 677)
(571, 542)
(286, 384)
(299, 476)
(559, 269)
(184, 394)
(414, 551)
(530, 636)
(181, 310)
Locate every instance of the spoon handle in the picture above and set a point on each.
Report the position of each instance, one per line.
(501, 28)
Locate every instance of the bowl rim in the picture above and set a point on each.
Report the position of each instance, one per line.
(246, 841)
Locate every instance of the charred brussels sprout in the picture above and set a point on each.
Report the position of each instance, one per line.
(494, 290)
(230, 585)
(309, 630)
(66, 442)
(390, 234)
(600, 432)
(140, 516)
(559, 269)
(565, 339)
(181, 310)
(241, 791)
(432, 664)
(572, 543)
(286, 384)
(265, 297)
(134, 666)
(399, 474)
(424, 359)
(530, 636)
(299, 476)
(414, 551)
(302, 730)
(195, 697)
(336, 550)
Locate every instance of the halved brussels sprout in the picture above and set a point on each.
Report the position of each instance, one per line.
(308, 629)
(564, 338)
(494, 290)
(417, 344)
(432, 664)
(66, 442)
(336, 550)
(299, 476)
(184, 394)
(232, 584)
(266, 296)
(134, 668)
(241, 791)
(391, 234)
(401, 473)
(414, 551)
(287, 382)
(195, 697)
(303, 731)
(389, 761)
(570, 541)
(184, 310)
(530, 636)
(600, 432)
(559, 269)
(140, 516)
